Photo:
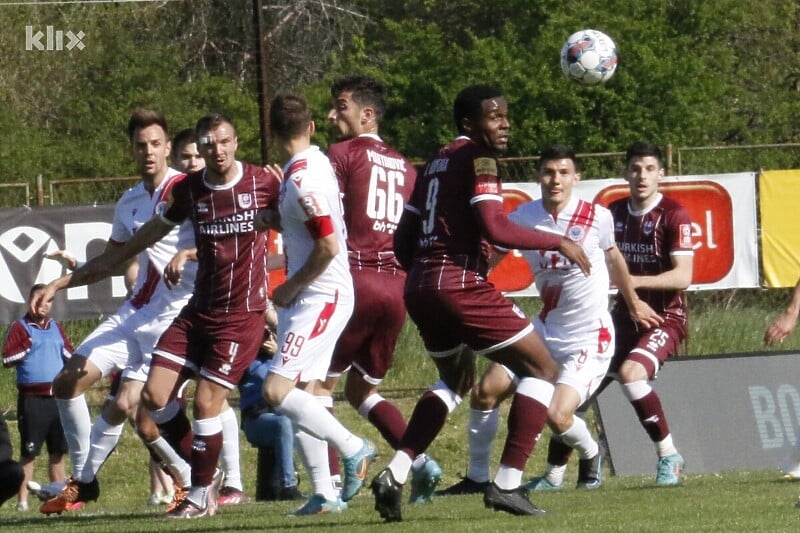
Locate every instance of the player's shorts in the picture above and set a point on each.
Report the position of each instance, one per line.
(475, 314)
(651, 348)
(39, 423)
(307, 333)
(126, 339)
(216, 345)
(583, 356)
(369, 339)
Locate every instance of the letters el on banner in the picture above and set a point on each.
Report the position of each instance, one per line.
(779, 199)
(27, 234)
(722, 209)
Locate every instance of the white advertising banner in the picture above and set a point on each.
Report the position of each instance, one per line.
(724, 223)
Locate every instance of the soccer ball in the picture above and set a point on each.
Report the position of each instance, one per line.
(589, 57)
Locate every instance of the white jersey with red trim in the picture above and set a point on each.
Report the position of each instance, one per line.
(310, 207)
(572, 302)
(132, 211)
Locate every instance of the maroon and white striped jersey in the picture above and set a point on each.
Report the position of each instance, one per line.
(451, 235)
(376, 181)
(648, 239)
(232, 255)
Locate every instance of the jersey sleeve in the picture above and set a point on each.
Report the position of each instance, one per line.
(309, 206)
(16, 345)
(179, 204)
(487, 180)
(120, 233)
(605, 225)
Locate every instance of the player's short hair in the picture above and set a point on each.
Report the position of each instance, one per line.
(366, 91)
(289, 115)
(181, 139)
(34, 288)
(142, 118)
(557, 151)
(644, 149)
(211, 121)
(468, 102)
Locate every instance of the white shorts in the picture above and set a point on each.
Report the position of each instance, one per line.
(583, 356)
(307, 334)
(125, 340)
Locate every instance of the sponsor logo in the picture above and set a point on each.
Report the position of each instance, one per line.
(485, 166)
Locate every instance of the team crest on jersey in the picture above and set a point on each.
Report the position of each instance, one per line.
(245, 200)
(648, 227)
(686, 235)
(576, 233)
(160, 207)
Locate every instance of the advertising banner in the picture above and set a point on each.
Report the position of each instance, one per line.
(724, 413)
(723, 213)
(779, 196)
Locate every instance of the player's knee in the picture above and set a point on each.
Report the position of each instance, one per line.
(559, 420)
(152, 400)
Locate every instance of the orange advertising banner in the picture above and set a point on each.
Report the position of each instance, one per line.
(723, 213)
(779, 197)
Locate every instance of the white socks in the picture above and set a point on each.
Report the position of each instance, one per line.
(666, 447)
(103, 439)
(314, 454)
(481, 430)
(579, 438)
(229, 457)
(180, 469)
(77, 423)
(400, 465)
(311, 416)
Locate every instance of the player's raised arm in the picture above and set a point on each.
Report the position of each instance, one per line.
(105, 264)
(503, 232)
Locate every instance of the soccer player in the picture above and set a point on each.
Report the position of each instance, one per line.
(654, 234)
(212, 335)
(442, 241)
(375, 181)
(37, 346)
(186, 158)
(314, 304)
(126, 338)
(574, 321)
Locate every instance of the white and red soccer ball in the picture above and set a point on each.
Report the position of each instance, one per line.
(589, 57)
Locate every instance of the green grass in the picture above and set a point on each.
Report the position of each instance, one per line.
(721, 322)
(729, 501)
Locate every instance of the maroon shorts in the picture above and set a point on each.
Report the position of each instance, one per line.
(475, 314)
(650, 347)
(218, 346)
(369, 339)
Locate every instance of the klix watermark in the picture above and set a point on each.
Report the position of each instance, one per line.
(53, 40)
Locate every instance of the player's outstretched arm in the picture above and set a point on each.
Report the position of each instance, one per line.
(501, 231)
(105, 264)
(784, 324)
(172, 272)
